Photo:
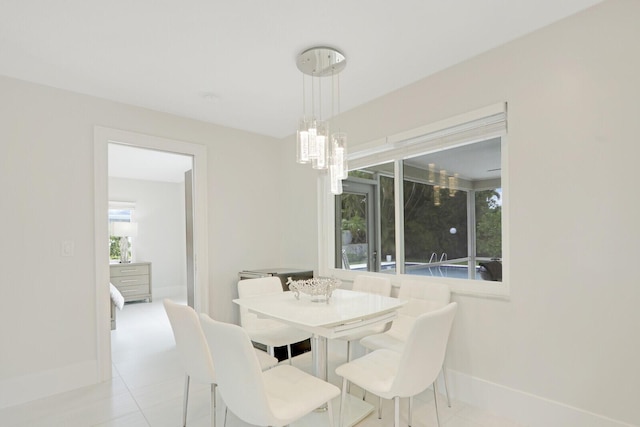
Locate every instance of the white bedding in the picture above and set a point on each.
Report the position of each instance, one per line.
(116, 296)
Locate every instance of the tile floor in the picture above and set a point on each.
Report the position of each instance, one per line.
(146, 389)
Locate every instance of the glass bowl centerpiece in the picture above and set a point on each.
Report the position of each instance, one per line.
(318, 288)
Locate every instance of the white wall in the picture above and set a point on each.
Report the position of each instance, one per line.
(161, 239)
(568, 340)
(568, 335)
(47, 311)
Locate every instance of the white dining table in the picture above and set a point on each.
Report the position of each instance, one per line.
(344, 313)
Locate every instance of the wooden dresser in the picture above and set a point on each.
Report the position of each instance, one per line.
(132, 280)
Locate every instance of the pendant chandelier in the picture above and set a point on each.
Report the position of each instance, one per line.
(315, 143)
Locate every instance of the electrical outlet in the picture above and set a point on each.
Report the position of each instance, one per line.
(66, 248)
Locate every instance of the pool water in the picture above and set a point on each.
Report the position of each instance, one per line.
(452, 271)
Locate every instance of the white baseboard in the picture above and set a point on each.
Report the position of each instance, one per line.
(14, 391)
(525, 408)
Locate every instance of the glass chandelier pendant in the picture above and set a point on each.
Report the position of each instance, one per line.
(321, 159)
(314, 143)
(432, 173)
(335, 180)
(443, 178)
(436, 195)
(302, 145)
(453, 185)
(313, 139)
(339, 154)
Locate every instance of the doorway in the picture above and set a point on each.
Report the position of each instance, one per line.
(103, 137)
(357, 247)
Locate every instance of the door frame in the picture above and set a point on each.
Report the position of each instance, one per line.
(102, 137)
(370, 191)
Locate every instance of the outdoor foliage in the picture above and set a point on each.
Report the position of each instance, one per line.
(427, 226)
(488, 224)
(114, 247)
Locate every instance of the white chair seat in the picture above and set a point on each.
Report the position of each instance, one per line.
(374, 372)
(291, 392)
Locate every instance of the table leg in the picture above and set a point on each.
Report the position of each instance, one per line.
(320, 361)
(319, 356)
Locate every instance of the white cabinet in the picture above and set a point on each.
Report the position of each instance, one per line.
(132, 280)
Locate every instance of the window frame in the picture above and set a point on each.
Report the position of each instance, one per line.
(396, 148)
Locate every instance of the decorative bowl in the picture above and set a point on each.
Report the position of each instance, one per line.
(319, 288)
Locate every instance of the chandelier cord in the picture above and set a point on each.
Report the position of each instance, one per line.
(320, 98)
(313, 102)
(304, 99)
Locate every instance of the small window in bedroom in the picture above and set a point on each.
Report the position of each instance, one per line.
(122, 227)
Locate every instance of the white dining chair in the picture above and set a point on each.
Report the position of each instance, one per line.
(393, 375)
(276, 397)
(268, 332)
(195, 355)
(373, 285)
(421, 298)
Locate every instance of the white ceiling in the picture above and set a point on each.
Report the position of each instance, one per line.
(233, 63)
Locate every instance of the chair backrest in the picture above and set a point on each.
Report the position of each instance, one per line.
(421, 298)
(239, 375)
(424, 351)
(255, 287)
(439, 293)
(190, 342)
(372, 285)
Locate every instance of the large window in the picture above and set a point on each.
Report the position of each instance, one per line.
(119, 213)
(442, 190)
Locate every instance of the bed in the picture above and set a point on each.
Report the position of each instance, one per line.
(117, 300)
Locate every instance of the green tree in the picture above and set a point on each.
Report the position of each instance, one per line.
(488, 224)
(428, 225)
(114, 247)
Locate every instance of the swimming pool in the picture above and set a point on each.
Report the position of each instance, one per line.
(452, 271)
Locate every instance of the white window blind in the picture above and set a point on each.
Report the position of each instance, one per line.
(476, 126)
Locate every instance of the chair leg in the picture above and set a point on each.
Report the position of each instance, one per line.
(185, 401)
(289, 353)
(348, 360)
(410, 411)
(446, 385)
(435, 401)
(213, 405)
(343, 400)
(396, 416)
(226, 411)
(379, 408)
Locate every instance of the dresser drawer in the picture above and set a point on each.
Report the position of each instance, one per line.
(134, 292)
(121, 281)
(129, 270)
